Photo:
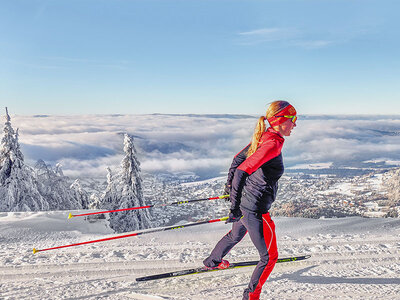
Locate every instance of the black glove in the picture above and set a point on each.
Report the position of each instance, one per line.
(234, 216)
(227, 191)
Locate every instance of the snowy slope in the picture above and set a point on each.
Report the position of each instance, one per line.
(352, 258)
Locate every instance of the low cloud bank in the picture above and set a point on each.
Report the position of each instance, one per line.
(200, 144)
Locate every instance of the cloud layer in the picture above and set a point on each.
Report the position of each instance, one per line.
(200, 144)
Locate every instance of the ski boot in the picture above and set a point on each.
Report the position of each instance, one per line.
(224, 264)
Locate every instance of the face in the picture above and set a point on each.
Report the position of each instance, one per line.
(286, 127)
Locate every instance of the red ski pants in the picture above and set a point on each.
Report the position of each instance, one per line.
(262, 234)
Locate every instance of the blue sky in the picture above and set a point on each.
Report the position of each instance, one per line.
(199, 56)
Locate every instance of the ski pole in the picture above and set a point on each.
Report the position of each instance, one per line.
(148, 206)
(134, 234)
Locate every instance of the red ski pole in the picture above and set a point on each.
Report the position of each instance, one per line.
(147, 206)
(133, 234)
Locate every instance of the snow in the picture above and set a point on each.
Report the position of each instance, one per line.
(376, 182)
(345, 188)
(375, 214)
(387, 161)
(352, 258)
(207, 181)
(393, 162)
(315, 166)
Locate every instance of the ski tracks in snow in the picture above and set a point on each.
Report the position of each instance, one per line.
(345, 264)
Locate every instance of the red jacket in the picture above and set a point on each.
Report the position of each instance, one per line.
(254, 180)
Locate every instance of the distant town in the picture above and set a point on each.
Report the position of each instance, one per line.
(300, 195)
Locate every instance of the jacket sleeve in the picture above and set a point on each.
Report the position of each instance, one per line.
(238, 182)
(267, 151)
(237, 161)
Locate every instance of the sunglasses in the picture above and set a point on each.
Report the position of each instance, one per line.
(294, 118)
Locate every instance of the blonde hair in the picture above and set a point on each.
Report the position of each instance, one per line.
(273, 108)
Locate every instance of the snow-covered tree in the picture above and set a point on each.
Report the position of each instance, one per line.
(94, 201)
(18, 185)
(23, 188)
(10, 153)
(111, 196)
(57, 190)
(124, 190)
(391, 181)
(81, 196)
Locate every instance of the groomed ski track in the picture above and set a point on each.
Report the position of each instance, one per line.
(352, 258)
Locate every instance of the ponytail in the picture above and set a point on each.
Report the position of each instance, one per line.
(272, 110)
(258, 132)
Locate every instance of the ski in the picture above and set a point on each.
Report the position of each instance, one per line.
(231, 266)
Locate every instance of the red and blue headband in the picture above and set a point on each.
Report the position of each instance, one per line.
(288, 112)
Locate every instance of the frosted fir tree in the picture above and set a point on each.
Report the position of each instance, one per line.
(10, 153)
(124, 190)
(18, 185)
(111, 196)
(80, 195)
(57, 190)
(94, 201)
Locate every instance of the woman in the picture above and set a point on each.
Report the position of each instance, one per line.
(252, 184)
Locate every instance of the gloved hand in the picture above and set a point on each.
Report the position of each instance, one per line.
(234, 216)
(227, 191)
